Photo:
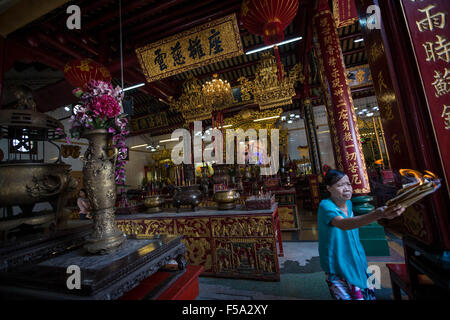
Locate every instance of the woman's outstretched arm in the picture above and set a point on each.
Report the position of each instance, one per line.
(365, 219)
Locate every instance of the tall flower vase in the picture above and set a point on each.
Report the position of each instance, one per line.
(99, 181)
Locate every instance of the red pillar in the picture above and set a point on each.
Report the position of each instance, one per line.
(341, 115)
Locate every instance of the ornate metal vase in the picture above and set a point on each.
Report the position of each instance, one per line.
(99, 181)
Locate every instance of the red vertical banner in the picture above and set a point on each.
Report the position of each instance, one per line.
(344, 12)
(399, 148)
(342, 118)
(429, 32)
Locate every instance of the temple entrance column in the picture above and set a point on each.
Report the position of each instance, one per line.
(348, 152)
(311, 136)
(341, 114)
(2, 65)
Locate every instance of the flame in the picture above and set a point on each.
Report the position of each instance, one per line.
(430, 175)
(379, 161)
(410, 172)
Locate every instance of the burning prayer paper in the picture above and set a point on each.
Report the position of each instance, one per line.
(424, 185)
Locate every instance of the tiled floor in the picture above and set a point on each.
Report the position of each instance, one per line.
(307, 230)
(301, 275)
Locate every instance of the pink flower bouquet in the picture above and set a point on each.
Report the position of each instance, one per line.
(101, 110)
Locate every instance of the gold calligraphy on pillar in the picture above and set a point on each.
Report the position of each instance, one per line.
(436, 21)
(446, 116)
(431, 21)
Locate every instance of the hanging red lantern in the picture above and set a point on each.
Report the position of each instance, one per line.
(79, 72)
(269, 18)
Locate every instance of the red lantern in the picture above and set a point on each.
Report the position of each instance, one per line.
(79, 72)
(269, 18)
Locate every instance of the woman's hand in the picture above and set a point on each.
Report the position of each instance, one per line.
(390, 212)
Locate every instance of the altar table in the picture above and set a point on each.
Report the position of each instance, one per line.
(236, 243)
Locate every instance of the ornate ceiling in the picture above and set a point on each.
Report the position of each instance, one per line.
(48, 42)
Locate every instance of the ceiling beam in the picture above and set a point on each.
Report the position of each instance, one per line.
(185, 23)
(241, 66)
(351, 36)
(114, 13)
(346, 53)
(162, 19)
(54, 43)
(146, 13)
(54, 96)
(23, 52)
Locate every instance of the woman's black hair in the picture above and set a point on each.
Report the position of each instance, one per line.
(332, 176)
(84, 190)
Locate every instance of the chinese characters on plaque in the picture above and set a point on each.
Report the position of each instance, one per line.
(430, 34)
(211, 42)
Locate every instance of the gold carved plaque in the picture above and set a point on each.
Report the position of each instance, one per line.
(209, 43)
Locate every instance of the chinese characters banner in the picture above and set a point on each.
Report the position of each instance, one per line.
(342, 118)
(211, 42)
(429, 32)
(395, 132)
(344, 12)
(138, 125)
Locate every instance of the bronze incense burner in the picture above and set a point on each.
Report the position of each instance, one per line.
(187, 196)
(25, 178)
(154, 203)
(226, 199)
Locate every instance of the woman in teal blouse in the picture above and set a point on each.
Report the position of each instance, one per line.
(342, 256)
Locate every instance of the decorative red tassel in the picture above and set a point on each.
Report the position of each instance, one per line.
(277, 56)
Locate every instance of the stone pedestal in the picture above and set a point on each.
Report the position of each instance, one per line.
(101, 277)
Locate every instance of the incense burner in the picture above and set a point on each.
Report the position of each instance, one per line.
(226, 199)
(154, 203)
(187, 196)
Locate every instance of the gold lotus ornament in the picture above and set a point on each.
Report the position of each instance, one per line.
(191, 103)
(268, 91)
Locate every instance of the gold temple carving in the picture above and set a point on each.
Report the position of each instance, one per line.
(268, 91)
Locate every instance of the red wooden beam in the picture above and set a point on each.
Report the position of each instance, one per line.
(240, 66)
(66, 34)
(187, 22)
(346, 53)
(58, 45)
(161, 19)
(136, 18)
(54, 96)
(114, 13)
(22, 52)
(139, 77)
(351, 36)
(85, 9)
(130, 60)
